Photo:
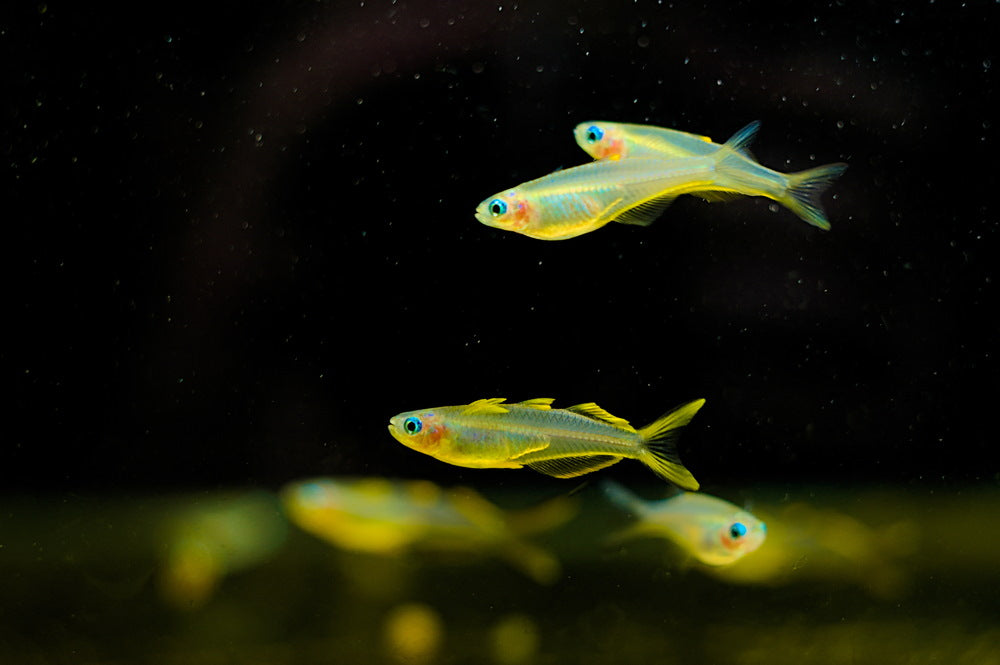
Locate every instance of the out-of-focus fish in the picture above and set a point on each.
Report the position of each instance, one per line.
(799, 192)
(816, 543)
(715, 532)
(386, 517)
(215, 537)
(564, 443)
(584, 198)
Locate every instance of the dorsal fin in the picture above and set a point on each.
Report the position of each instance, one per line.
(488, 405)
(591, 410)
(540, 403)
(570, 467)
(646, 212)
(741, 140)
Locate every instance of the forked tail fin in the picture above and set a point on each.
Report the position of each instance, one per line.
(804, 190)
(660, 441)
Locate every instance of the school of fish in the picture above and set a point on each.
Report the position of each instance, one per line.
(637, 172)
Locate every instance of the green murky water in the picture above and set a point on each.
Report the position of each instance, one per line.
(846, 576)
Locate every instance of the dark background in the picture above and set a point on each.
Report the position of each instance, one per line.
(240, 237)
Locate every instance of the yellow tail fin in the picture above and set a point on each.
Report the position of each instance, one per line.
(804, 190)
(660, 439)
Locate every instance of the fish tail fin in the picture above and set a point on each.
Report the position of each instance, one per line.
(621, 497)
(804, 190)
(659, 451)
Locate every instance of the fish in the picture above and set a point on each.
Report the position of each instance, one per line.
(563, 443)
(799, 192)
(712, 530)
(213, 538)
(581, 199)
(814, 542)
(390, 517)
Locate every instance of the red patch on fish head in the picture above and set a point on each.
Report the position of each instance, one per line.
(433, 433)
(518, 212)
(612, 146)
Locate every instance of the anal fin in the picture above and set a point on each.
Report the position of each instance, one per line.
(571, 467)
(646, 212)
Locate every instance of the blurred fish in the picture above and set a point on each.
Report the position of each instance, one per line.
(563, 443)
(584, 198)
(214, 538)
(715, 532)
(812, 543)
(799, 192)
(380, 516)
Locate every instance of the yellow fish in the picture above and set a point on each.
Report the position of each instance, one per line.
(714, 531)
(578, 200)
(386, 517)
(799, 192)
(563, 443)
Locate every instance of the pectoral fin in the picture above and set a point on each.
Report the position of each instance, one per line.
(570, 467)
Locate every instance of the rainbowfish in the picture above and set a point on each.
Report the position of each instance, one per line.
(379, 516)
(799, 192)
(578, 200)
(714, 531)
(563, 443)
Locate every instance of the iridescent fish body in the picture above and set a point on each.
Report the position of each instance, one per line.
(799, 192)
(578, 200)
(563, 443)
(713, 531)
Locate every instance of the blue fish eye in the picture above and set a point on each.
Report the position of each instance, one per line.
(412, 425)
(594, 134)
(497, 207)
(737, 530)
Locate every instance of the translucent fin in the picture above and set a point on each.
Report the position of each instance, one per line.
(571, 467)
(534, 447)
(804, 190)
(595, 412)
(660, 452)
(741, 140)
(645, 213)
(540, 403)
(489, 405)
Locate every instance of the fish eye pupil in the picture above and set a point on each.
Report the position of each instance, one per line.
(497, 207)
(737, 530)
(411, 425)
(594, 134)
